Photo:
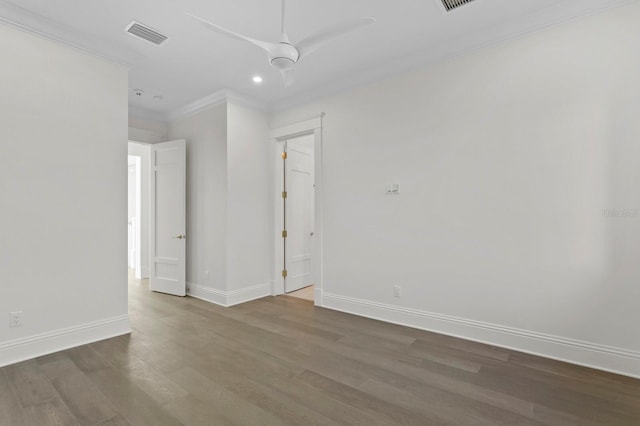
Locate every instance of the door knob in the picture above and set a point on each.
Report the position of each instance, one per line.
(181, 237)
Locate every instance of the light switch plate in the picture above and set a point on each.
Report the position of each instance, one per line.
(392, 189)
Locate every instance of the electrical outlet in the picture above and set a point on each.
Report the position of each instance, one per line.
(396, 290)
(15, 319)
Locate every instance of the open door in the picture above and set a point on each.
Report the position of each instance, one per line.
(168, 217)
(299, 212)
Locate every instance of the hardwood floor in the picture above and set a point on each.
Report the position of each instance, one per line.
(279, 361)
(306, 293)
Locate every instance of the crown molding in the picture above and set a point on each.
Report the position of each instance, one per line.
(247, 101)
(198, 105)
(43, 27)
(493, 36)
(216, 98)
(124, 55)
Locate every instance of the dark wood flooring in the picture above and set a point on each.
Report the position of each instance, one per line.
(281, 361)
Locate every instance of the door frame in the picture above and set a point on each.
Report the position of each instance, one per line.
(277, 137)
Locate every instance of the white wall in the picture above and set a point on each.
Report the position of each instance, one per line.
(506, 159)
(63, 171)
(206, 135)
(147, 131)
(250, 190)
(228, 202)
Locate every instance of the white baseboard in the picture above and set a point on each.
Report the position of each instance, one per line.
(317, 297)
(229, 298)
(601, 357)
(247, 294)
(212, 295)
(47, 343)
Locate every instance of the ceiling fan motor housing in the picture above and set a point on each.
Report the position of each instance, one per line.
(284, 56)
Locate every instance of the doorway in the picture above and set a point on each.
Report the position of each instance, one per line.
(157, 203)
(133, 215)
(298, 218)
(138, 209)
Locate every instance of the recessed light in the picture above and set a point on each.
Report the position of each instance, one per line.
(257, 79)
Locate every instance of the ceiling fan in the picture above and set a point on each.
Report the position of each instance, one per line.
(284, 55)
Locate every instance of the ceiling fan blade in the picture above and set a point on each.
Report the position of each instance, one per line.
(267, 46)
(315, 41)
(288, 76)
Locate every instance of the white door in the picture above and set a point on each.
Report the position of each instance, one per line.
(299, 210)
(168, 217)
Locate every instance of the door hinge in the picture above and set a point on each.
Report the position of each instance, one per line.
(284, 155)
(284, 194)
(284, 273)
(284, 234)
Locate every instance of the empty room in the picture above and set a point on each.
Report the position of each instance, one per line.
(302, 212)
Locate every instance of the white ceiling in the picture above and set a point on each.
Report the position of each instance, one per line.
(196, 62)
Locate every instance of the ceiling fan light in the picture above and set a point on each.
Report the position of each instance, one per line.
(282, 63)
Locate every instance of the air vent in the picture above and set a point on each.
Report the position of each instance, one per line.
(146, 33)
(454, 4)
